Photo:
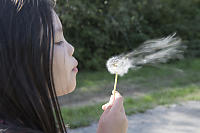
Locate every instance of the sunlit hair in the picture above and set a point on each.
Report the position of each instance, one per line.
(27, 93)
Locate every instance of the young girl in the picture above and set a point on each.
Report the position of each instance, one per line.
(36, 66)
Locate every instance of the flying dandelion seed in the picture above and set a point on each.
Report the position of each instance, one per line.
(151, 52)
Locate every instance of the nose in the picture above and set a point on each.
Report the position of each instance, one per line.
(71, 49)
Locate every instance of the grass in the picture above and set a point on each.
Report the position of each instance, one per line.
(84, 116)
(160, 85)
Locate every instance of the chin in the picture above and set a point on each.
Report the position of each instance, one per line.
(65, 93)
(72, 89)
(69, 89)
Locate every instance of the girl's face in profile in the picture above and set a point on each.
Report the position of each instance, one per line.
(64, 64)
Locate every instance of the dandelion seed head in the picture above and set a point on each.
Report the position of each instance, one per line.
(119, 65)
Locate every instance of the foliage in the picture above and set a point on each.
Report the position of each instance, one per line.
(102, 28)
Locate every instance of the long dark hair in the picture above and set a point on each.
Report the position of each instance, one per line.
(27, 93)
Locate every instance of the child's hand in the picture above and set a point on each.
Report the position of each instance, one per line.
(113, 119)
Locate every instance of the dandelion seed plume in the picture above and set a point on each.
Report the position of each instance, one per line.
(150, 52)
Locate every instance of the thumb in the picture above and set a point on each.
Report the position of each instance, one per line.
(118, 103)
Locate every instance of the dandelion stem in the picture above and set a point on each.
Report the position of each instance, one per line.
(115, 85)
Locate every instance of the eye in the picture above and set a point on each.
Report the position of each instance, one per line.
(59, 43)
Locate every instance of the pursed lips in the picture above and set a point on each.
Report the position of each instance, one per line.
(75, 66)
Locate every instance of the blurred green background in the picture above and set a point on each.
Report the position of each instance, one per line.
(99, 29)
(103, 28)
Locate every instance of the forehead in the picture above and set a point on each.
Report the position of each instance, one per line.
(56, 22)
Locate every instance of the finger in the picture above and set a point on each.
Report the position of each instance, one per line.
(107, 109)
(110, 103)
(104, 107)
(115, 92)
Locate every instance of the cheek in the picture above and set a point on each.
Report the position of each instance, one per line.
(61, 71)
(70, 76)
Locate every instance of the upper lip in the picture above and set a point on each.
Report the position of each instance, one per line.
(76, 64)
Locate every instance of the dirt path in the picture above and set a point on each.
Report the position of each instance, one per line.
(176, 118)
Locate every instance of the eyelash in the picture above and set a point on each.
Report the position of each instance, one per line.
(59, 43)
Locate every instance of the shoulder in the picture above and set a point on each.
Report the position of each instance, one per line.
(13, 129)
(6, 127)
(18, 130)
